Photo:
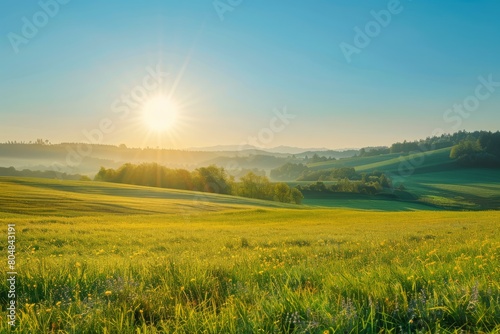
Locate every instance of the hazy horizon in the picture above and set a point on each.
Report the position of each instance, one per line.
(223, 145)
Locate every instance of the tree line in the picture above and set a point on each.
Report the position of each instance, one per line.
(211, 179)
(478, 151)
(46, 174)
(370, 186)
(300, 172)
(429, 143)
(435, 142)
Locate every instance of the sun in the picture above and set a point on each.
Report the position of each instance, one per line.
(159, 114)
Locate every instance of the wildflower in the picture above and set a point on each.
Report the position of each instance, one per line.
(432, 252)
(107, 293)
(58, 303)
(182, 288)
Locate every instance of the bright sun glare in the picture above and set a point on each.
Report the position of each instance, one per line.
(159, 114)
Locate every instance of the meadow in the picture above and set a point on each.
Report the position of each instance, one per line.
(106, 258)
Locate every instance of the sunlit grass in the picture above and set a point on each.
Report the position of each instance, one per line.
(255, 269)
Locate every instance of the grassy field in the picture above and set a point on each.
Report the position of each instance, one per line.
(393, 162)
(468, 189)
(458, 189)
(431, 180)
(427, 160)
(106, 258)
(352, 162)
(365, 202)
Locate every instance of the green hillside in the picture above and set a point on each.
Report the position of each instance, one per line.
(71, 198)
(421, 161)
(430, 180)
(458, 189)
(351, 162)
(365, 202)
(474, 188)
(416, 162)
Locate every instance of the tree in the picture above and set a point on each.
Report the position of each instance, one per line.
(344, 172)
(465, 148)
(108, 175)
(214, 179)
(297, 196)
(255, 186)
(282, 193)
(490, 142)
(288, 171)
(384, 181)
(318, 186)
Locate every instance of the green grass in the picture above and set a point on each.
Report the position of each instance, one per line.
(457, 189)
(431, 179)
(74, 198)
(415, 162)
(159, 263)
(352, 162)
(470, 189)
(365, 202)
(394, 162)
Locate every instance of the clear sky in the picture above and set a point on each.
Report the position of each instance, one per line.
(68, 67)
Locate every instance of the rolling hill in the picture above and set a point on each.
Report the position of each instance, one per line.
(394, 162)
(72, 198)
(430, 180)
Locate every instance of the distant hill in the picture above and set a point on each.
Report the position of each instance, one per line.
(278, 149)
(81, 158)
(47, 174)
(86, 159)
(329, 154)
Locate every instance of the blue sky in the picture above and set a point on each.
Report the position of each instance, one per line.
(227, 76)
